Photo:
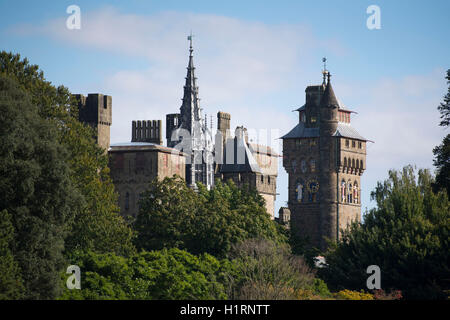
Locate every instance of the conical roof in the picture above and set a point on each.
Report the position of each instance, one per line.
(329, 98)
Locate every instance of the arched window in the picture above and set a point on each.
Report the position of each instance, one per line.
(353, 163)
(343, 191)
(299, 191)
(350, 193)
(262, 179)
(127, 201)
(361, 164)
(345, 162)
(357, 164)
(313, 165)
(268, 179)
(303, 165)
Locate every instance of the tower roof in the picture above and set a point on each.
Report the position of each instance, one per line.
(329, 98)
(190, 109)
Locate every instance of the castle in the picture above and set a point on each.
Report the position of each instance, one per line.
(323, 155)
(192, 152)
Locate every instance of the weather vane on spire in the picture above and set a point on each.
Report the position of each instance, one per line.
(190, 40)
(324, 71)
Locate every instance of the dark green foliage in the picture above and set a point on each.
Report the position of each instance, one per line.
(97, 225)
(442, 164)
(407, 236)
(35, 188)
(442, 152)
(11, 286)
(165, 274)
(444, 107)
(172, 215)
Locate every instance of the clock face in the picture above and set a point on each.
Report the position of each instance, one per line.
(313, 185)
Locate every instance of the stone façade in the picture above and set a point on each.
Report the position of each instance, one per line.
(324, 158)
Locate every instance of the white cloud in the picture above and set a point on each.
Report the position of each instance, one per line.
(400, 116)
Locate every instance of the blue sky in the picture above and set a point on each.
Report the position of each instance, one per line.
(254, 60)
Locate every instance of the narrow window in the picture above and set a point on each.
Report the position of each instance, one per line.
(313, 165)
(350, 192)
(127, 201)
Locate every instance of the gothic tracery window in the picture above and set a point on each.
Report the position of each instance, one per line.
(350, 193)
(303, 165)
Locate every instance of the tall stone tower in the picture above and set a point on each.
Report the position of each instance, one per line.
(324, 157)
(188, 132)
(96, 110)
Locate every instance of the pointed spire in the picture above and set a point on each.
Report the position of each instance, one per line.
(329, 98)
(190, 109)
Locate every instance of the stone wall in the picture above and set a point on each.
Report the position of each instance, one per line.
(134, 167)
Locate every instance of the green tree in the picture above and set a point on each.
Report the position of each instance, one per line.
(407, 236)
(444, 107)
(169, 274)
(172, 215)
(442, 152)
(35, 189)
(166, 216)
(97, 225)
(11, 286)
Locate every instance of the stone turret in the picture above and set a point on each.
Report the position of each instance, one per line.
(328, 157)
(96, 110)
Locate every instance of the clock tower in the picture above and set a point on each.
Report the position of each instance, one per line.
(324, 157)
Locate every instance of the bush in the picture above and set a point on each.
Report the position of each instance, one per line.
(353, 295)
(266, 270)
